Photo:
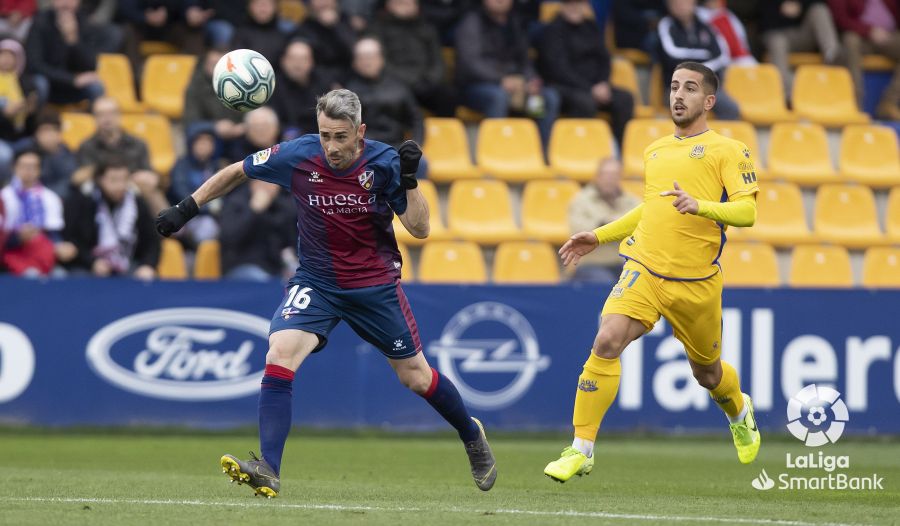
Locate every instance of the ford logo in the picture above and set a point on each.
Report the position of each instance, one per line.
(189, 354)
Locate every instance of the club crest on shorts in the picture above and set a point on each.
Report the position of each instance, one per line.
(366, 179)
(698, 151)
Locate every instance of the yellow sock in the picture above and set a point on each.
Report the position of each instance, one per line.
(728, 393)
(597, 388)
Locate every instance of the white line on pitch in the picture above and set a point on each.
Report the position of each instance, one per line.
(401, 509)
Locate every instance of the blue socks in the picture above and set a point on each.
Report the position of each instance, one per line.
(275, 413)
(444, 398)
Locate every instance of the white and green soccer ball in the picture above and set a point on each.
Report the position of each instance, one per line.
(243, 79)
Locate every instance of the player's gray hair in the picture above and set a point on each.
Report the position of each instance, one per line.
(340, 104)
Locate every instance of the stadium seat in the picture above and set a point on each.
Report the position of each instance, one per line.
(293, 11)
(76, 128)
(869, 155)
(577, 145)
(656, 91)
(749, 265)
(156, 47)
(545, 210)
(481, 211)
(447, 150)
(846, 215)
(171, 261)
(165, 81)
(881, 267)
(798, 152)
(759, 92)
(824, 94)
(118, 81)
(820, 266)
(156, 131)
(526, 262)
(639, 133)
(892, 215)
(510, 149)
(741, 131)
(207, 263)
(780, 218)
(438, 230)
(406, 271)
(452, 262)
(624, 76)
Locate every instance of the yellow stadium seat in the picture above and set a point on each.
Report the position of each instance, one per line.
(452, 262)
(76, 128)
(292, 10)
(798, 152)
(208, 261)
(740, 131)
(481, 211)
(656, 91)
(545, 210)
(118, 81)
(824, 94)
(892, 216)
(749, 265)
(447, 150)
(156, 47)
(406, 271)
(846, 215)
(639, 133)
(165, 81)
(510, 149)
(869, 155)
(820, 266)
(881, 268)
(624, 76)
(526, 262)
(780, 219)
(171, 261)
(156, 131)
(438, 230)
(759, 92)
(577, 145)
(635, 188)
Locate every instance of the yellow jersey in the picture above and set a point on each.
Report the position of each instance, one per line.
(707, 166)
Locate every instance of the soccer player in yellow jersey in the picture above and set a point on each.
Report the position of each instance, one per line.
(696, 182)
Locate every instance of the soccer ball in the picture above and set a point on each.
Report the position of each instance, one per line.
(243, 79)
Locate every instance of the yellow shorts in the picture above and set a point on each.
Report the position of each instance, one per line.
(693, 308)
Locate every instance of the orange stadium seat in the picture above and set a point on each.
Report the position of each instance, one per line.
(639, 133)
(892, 216)
(452, 262)
(545, 210)
(165, 81)
(526, 262)
(741, 131)
(156, 131)
(118, 81)
(447, 150)
(869, 155)
(624, 76)
(208, 262)
(846, 215)
(824, 94)
(510, 149)
(881, 268)
(438, 230)
(749, 265)
(76, 128)
(820, 266)
(481, 211)
(171, 261)
(798, 152)
(406, 271)
(577, 145)
(780, 218)
(759, 92)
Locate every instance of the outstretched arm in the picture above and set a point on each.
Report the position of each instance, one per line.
(172, 219)
(741, 212)
(583, 243)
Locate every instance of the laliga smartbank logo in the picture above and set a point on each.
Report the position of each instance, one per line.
(817, 416)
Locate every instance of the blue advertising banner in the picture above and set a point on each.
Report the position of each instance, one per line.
(121, 352)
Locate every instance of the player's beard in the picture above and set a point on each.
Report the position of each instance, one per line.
(688, 118)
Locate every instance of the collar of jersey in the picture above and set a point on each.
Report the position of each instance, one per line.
(689, 136)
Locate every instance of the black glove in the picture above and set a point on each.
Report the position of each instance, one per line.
(173, 218)
(410, 153)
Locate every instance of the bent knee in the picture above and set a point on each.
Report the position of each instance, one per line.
(609, 344)
(416, 380)
(707, 379)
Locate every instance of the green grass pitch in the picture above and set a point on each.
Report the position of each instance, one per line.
(169, 479)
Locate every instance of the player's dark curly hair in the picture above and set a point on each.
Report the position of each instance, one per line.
(710, 80)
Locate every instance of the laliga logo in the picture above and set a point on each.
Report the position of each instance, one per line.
(519, 355)
(817, 415)
(167, 365)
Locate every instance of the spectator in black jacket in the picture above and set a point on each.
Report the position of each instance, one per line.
(174, 21)
(111, 140)
(203, 108)
(574, 61)
(445, 15)
(111, 227)
(259, 230)
(222, 17)
(58, 163)
(494, 71)
(191, 170)
(412, 50)
(331, 37)
(261, 32)
(684, 37)
(635, 21)
(299, 85)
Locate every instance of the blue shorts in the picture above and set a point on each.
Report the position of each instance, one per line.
(380, 315)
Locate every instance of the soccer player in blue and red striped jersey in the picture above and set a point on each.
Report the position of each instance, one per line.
(347, 189)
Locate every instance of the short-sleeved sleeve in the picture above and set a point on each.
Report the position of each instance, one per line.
(393, 191)
(738, 171)
(273, 165)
